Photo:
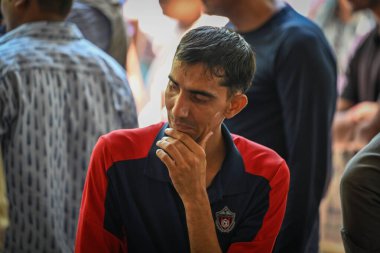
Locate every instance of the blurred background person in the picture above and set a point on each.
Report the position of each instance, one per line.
(102, 23)
(145, 24)
(58, 94)
(157, 27)
(358, 103)
(357, 108)
(343, 28)
(183, 15)
(291, 105)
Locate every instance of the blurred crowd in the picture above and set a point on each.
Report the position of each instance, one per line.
(319, 90)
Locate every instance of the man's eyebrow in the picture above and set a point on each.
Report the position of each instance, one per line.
(172, 79)
(197, 92)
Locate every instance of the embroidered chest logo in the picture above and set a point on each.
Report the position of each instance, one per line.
(225, 220)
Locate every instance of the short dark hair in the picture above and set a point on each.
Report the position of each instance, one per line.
(225, 53)
(61, 7)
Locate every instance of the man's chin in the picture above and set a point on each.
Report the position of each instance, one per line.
(186, 130)
(189, 132)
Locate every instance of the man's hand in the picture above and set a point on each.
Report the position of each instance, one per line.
(364, 132)
(353, 128)
(185, 160)
(187, 166)
(363, 111)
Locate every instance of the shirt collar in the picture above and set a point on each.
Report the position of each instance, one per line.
(44, 30)
(230, 179)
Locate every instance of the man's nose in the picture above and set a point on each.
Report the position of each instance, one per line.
(181, 106)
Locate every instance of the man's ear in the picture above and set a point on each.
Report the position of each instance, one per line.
(237, 103)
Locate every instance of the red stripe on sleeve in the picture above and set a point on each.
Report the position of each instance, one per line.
(116, 146)
(262, 161)
(91, 236)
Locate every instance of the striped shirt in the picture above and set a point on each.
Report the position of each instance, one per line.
(58, 94)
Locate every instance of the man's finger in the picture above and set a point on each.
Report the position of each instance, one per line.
(172, 147)
(184, 138)
(165, 158)
(203, 142)
(207, 132)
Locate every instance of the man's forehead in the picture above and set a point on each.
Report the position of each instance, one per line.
(202, 69)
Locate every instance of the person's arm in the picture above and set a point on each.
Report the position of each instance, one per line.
(344, 121)
(360, 197)
(124, 103)
(354, 126)
(186, 163)
(366, 129)
(342, 129)
(92, 23)
(92, 236)
(306, 82)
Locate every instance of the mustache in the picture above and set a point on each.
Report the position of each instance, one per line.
(181, 121)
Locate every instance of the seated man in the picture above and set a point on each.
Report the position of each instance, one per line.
(188, 185)
(358, 104)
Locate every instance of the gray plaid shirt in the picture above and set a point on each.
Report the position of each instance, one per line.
(58, 94)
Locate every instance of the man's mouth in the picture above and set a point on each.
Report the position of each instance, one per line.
(182, 127)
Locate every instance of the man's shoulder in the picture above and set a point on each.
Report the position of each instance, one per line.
(258, 159)
(293, 19)
(126, 144)
(289, 30)
(79, 56)
(14, 51)
(134, 134)
(302, 30)
(364, 42)
(300, 39)
(295, 27)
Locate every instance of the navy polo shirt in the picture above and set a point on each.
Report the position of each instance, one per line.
(129, 202)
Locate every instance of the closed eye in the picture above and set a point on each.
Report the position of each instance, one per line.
(172, 85)
(201, 98)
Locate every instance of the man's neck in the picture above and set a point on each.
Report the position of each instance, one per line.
(254, 14)
(187, 22)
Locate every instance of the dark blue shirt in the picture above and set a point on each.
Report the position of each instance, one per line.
(129, 202)
(290, 109)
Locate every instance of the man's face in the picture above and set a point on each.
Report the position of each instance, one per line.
(180, 9)
(364, 4)
(194, 99)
